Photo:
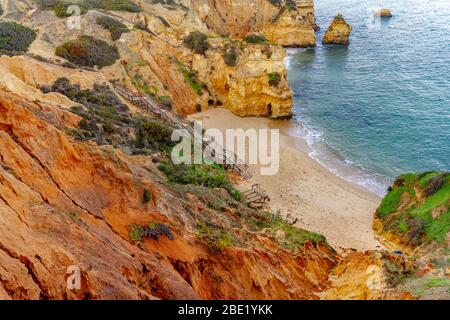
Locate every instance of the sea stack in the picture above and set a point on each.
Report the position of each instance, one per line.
(386, 13)
(338, 32)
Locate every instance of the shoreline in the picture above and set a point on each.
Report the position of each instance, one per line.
(321, 201)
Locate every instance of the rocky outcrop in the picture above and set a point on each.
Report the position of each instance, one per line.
(383, 13)
(245, 88)
(414, 220)
(288, 22)
(366, 276)
(338, 32)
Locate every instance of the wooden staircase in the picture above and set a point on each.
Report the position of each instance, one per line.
(230, 159)
(256, 196)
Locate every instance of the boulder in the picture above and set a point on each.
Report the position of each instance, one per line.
(383, 13)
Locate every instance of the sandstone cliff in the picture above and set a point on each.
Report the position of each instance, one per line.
(289, 23)
(66, 203)
(152, 53)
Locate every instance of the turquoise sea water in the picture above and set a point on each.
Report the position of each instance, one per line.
(380, 107)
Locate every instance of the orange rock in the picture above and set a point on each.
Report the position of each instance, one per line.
(65, 203)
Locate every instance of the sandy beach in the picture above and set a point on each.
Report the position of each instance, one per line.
(304, 189)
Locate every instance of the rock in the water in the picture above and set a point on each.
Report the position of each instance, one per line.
(383, 13)
(338, 32)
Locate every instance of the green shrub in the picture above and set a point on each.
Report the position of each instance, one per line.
(293, 237)
(291, 5)
(88, 52)
(215, 237)
(255, 38)
(152, 230)
(74, 216)
(197, 41)
(113, 5)
(110, 5)
(274, 79)
(1, 10)
(438, 229)
(403, 226)
(105, 119)
(339, 17)
(136, 232)
(276, 3)
(209, 176)
(236, 194)
(61, 9)
(431, 283)
(230, 56)
(164, 22)
(191, 78)
(147, 196)
(115, 28)
(153, 135)
(15, 38)
(140, 25)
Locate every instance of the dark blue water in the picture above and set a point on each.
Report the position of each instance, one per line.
(380, 107)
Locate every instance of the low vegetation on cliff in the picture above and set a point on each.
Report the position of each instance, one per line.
(417, 208)
(60, 7)
(256, 39)
(15, 38)
(106, 120)
(197, 42)
(274, 79)
(231, 55)
(289, 236)
(87, 51)
(115, 27)
(191, 78)
(153, 230)
(210, 176)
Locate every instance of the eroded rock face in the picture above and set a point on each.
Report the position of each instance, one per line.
(246, 89)
(367, 276)
(288, 23)
(338, 32)
(65, 203)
